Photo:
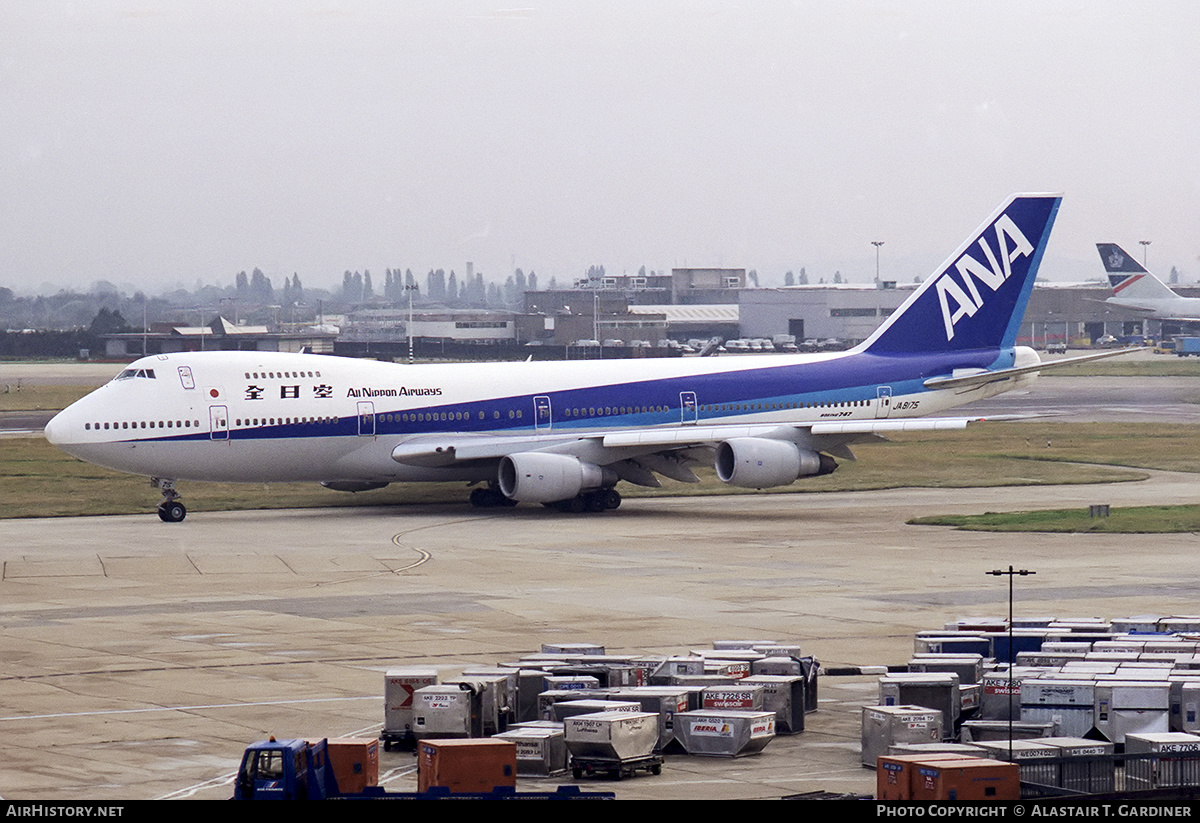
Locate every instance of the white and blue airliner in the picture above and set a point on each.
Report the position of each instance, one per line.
(566, 433)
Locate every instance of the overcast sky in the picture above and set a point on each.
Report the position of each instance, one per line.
(161, 142)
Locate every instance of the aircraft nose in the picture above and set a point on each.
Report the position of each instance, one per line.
(54, 429)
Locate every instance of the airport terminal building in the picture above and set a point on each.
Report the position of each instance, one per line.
(1075, 314)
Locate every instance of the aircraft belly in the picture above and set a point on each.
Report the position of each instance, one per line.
(370, 458)
(259, 461)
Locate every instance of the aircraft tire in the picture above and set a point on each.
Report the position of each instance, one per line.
(172, 512)
(612, 499)
(490, 499)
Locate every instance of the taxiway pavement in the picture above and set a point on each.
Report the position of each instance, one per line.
(141, 657)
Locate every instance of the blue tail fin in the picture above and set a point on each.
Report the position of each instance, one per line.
(977, 298)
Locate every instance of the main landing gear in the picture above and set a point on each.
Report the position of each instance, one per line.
(594, 501)
(170, 510)
(598, 500)
(490, 498)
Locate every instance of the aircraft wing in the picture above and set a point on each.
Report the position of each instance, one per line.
(607, 448)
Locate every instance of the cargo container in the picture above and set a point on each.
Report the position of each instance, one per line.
(399, 689)
(725, 732)
(541, 752)
(480, 765)
(617, 744)
(1182, 769)
(970, 780)
(886, 726)
(894, 773)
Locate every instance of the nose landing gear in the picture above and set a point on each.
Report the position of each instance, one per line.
(170, 510)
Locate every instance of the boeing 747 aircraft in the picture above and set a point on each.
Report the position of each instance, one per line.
(1136, 288)
(565, 434)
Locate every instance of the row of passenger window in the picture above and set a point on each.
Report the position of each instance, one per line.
(846, 404)
(144, 424)
(422, 417)
(281, 421)
(513, 414)
(610, 410)
(271, 375)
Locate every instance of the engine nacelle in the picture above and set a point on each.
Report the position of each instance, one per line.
(539, 477)
(758, 463)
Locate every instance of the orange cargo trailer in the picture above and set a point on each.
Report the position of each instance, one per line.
(355, 762)
(894, 773)
(468, 765)
(971, 779)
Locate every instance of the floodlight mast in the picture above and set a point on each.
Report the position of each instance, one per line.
(1011, 573)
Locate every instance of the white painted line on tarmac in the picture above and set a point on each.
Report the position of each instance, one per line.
(185, 708)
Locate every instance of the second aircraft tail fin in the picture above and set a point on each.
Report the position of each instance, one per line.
(1129, 278)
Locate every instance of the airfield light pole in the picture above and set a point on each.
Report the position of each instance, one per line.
(1145, 248)
(410, 288)
(1011, 573)
(876, 244)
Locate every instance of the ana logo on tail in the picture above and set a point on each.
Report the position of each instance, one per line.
(1010, 245)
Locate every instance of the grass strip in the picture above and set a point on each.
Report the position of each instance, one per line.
(1132, 520)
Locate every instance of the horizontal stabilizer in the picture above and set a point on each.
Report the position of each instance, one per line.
(985, 377)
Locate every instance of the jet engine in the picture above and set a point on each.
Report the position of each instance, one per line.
(539, 477)
(758, 463)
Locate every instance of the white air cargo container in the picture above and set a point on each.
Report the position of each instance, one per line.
(783, 695)
(968, 667)
(780, 650)
(775, 666)
(725, 732)
(563, 709)
(1030, 755)
(552, 682)
(952, 643)
(1144, 623)
(1179, 765)
(541, 752)
(1132, 707)
(978, 731)
(496, 709)
(664, 701)
(399, 690)
(741, 697)
(448, 710)
(1185, 703)
(1068, 704)
(615, 736)
(1092, 772)
(741, 645)
(887, 726)
(996, 689)
(676, 666)
(572, 648)
(936, 691)
(547, 699)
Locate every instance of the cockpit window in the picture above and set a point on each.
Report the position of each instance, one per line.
(128, 373)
